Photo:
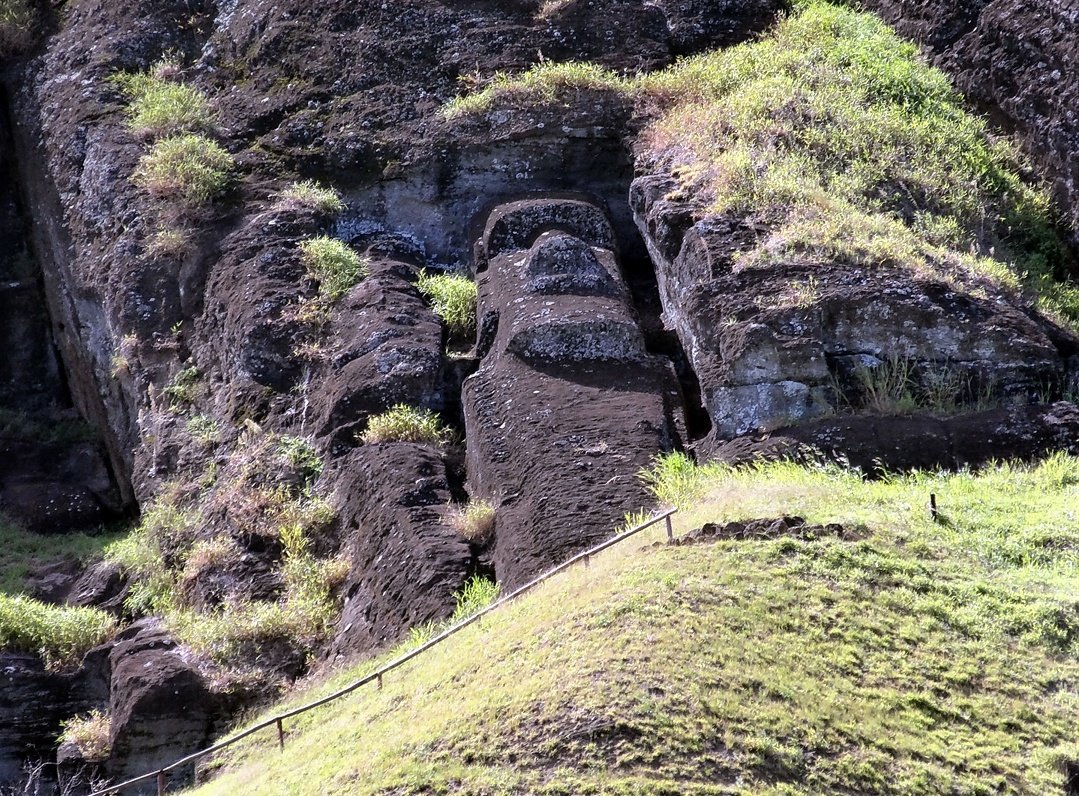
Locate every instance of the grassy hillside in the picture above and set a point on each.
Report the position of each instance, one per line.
(920, 658)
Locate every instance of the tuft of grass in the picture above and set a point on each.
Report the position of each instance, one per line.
(453, 298)
(90, 735)
(310, 195)
(204, 430)
(919, 658)
(16, 26)
(336, 266)
(190, 169)
(406, 424)
(477, 593)
(61, 635)
(300, 455)
(185, 388)
(160, 107)
(475, 521)
(544, 83)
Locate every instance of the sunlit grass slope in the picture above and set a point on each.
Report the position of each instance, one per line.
(923, 658)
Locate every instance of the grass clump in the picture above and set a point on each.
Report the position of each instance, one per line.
(61, 635)
(310, 195)
(21, 552)
(184, 390)
(159, 107)
(301, 456)
(475, 521)
(190, 169)
(204, 430)
(453, 298)
(16, 25)
(407, 424)
(544, 83)
(912, 658)
(477, 593)
(336, 266)
(90, 735)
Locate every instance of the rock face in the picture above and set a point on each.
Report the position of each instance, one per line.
(33, 704)
(567, 404)
(1016, 60)
(785, 343)
(160, 707)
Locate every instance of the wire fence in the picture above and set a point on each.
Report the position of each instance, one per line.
(278, 722)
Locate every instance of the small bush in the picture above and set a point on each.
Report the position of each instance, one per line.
(16, 24)
(159, 107)
(90, 735)
(61, 635)
(406, 424)
(474, 522)
(337, 267)
(310, 195)
(477, 594)
(453, 298)
(191, 169)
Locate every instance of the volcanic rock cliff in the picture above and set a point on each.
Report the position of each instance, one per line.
(228, 399)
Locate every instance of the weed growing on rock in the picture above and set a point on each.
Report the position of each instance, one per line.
(477, 593)
(184, 389)
(89, 734)
(300, 455)
(61, 635)
(204, 430)
(336, 267)
(160, 107)
(453, 298)
(190, 169)
(310, 195)
(475, 521)
(544, 83)
(16, 24)
(406, 424)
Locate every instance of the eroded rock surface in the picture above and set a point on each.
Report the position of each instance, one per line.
(567, 404)
(782, 343)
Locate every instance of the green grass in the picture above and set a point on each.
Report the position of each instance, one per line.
(336, 266)
(839, 136)
(22, 551)
(60, 635)
(453, 298)
(189, 169)
(158, 106)
(922, 658)
(474, 521)
(310, 195)
(406, 424)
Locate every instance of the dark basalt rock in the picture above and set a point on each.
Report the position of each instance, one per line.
(160, 706)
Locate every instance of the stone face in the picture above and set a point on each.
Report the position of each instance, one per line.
(567, 404)
(783, 343)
